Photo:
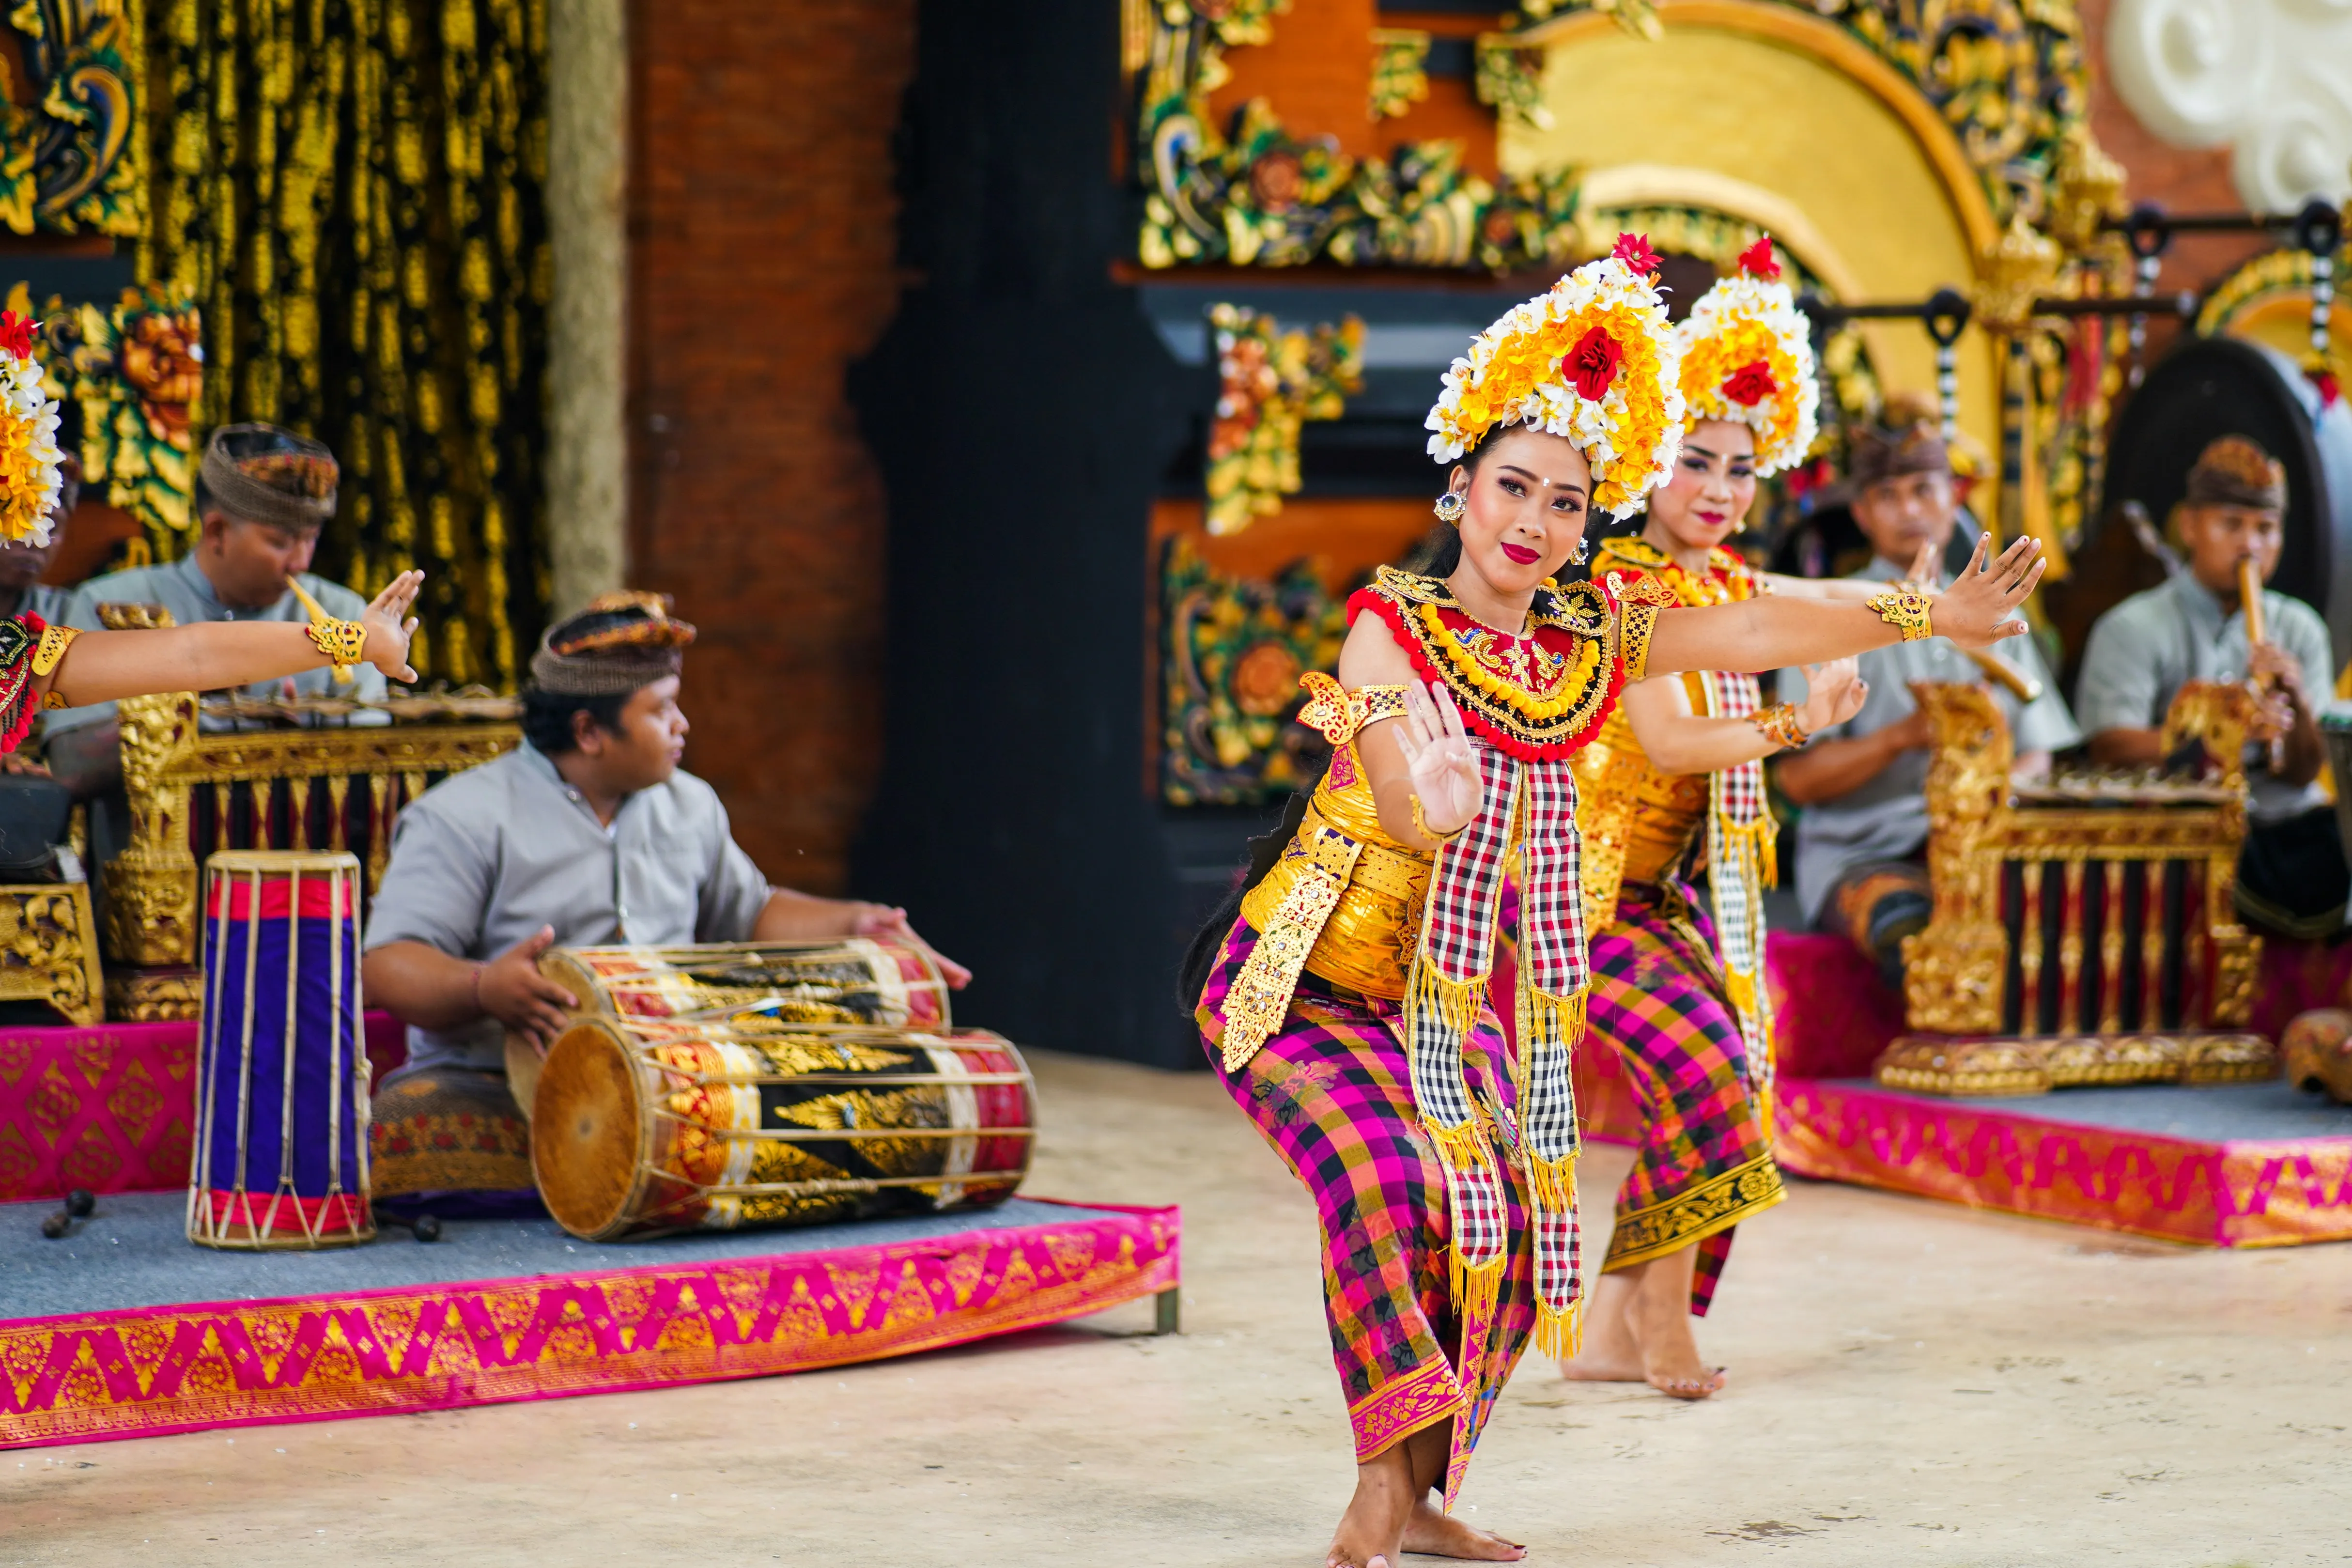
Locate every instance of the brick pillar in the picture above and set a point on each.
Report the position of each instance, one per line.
(763, 245)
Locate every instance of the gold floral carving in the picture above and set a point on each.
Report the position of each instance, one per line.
(48, 949)
(1928, 1064)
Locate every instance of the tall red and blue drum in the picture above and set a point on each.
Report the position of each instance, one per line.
(641, 1126)
(280, 1155)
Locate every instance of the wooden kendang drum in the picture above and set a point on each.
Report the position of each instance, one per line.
(280, 1155)
(644, 1125)
(854, 982)
(2084, 930)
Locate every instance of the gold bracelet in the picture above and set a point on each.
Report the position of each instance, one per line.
(1906, 613)
(344, 642)
(1427, 831)
(1779, 725)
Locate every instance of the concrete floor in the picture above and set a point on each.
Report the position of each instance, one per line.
(1912, 1383)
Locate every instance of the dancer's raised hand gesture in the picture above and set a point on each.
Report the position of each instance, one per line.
(1442, 760)
(390, 625)
(1974, 612)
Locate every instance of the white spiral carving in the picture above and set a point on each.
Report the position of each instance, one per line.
(2270, 80)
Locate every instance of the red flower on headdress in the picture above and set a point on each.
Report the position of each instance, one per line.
(1592, 364)
(17, 334)
(1757, 260)
(2324, 380)
(1750, 384)
(1633, 251)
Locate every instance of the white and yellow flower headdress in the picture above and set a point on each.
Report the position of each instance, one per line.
(32, 468)
(1747, 358)
(1593, 360)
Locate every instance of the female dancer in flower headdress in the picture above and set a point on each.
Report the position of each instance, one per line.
(42, 666)
(1346, 1000)
(1677, 770)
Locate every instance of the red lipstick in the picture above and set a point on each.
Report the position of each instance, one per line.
(1522, 554)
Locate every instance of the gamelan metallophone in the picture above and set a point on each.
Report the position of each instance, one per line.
(2084, 930)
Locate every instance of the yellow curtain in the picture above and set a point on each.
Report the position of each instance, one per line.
(352, 190)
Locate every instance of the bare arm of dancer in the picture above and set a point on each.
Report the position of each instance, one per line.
(1423, 753)
(101, 666)
(1772, 633)
(1679, 741)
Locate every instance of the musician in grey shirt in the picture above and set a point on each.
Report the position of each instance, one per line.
(1863, 784)
(2291, 873)
(588, 835)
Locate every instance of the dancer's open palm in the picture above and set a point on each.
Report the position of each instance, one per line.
(390, 625)
(1975, 611)
(1440, 757)
(1833, 694)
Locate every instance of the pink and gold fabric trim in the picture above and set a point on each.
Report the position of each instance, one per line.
(439, 1346)
(2271, 1193)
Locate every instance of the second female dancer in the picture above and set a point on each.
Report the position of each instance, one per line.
(1343, 995)
(1676, 775)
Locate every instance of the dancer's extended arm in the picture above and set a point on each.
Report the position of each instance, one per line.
(100, 666)
(1679, 741)
(1773, 632)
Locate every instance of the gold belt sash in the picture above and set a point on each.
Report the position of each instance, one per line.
(1321, 869)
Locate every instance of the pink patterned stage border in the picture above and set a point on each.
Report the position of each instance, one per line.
(199, 1365)
(2235, 1192)
(111, 1108)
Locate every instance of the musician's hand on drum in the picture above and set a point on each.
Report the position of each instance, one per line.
(1833, 694)
(1976, 610)
(883, 923)
(511, 989)
(390, 625)
(1440, 757)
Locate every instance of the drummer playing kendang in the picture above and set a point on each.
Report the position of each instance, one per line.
(589, 834)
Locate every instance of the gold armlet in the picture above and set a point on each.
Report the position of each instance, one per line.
(1779, 725)
(1639, 622)
(344, 642)
(52, 648)
(1906, 613)
(1427, 831)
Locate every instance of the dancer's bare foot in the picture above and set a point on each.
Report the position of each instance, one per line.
(1441, 1535)
(1661, 1324)
(1371, 1533)
(1609, 1353)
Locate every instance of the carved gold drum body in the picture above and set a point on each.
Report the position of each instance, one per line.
(641, 1126)
(856, 981)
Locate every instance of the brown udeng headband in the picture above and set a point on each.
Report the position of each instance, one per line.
(238, 486)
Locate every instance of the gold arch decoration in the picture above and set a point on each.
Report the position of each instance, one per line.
(2268, 301)
(1792, 123)
(69, 160)
(351, 191)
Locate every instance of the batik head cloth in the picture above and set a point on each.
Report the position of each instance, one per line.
(1593, 360)
(264, 474)
(618, 643)
(2234, 472)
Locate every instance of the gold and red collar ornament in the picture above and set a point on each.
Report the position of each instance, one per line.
(1593, 360)
(1747, 358)
(32, 468)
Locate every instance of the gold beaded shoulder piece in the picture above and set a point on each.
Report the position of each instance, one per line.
(1527, 694)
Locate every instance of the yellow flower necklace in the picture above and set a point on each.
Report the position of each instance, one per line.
(1728, 579)
(1521, 674)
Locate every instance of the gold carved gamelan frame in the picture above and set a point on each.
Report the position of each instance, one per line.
(169, 765)
(2156, 1003)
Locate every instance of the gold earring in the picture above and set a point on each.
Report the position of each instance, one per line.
(1449, 509)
